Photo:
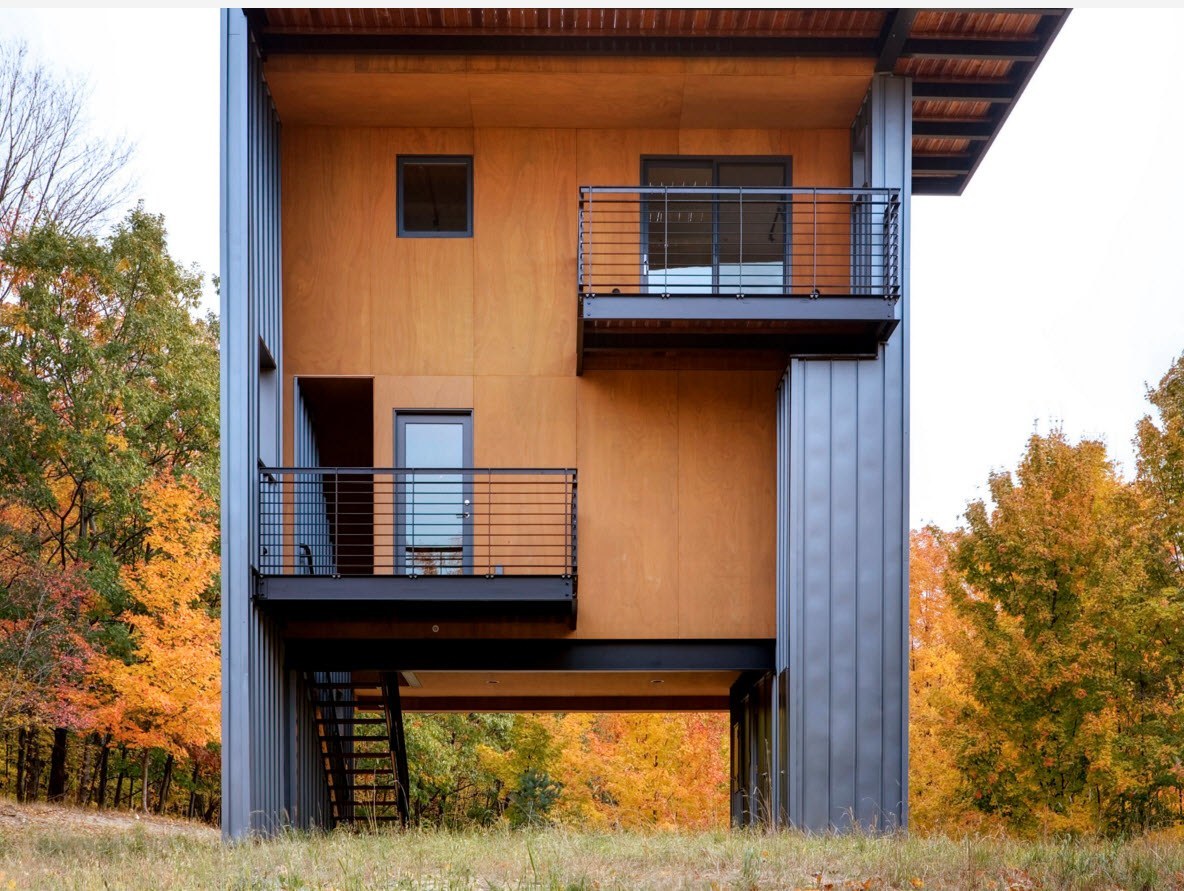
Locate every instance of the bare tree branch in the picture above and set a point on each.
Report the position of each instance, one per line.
(51, 169)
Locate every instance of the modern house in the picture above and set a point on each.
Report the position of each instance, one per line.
(565, 367)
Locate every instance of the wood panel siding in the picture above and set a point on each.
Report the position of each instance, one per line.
(571, 92)
(526, 196)
(726, 443)
(676, 501)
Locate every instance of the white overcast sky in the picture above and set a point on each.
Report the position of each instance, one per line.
(1051, 293)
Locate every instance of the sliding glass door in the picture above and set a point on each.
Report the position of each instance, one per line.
(713, 238)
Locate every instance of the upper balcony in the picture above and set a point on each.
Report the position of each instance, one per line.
(424, 541)
(669, 270)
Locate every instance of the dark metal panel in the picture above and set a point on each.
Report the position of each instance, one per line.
(847, 583)
(435, 589)
(869, 566)
(844, 484)
(815, 593)
(697, 703)
(347, 654)
(652, 307)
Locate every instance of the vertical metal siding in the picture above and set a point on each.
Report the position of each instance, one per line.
(842, 545)
(263, 205)
(258, 795)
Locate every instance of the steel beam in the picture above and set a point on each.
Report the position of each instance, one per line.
(529, 654)
(427, 590)
(965, 91)
(897, 24)
(939, 129)
(1019, 50)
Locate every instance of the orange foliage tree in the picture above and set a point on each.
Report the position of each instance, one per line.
(168, 695)
(642, 770)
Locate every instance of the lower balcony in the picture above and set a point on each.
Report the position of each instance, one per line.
(418, 542)
(670, 271)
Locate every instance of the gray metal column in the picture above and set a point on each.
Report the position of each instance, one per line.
(257, 742)
(843, 544)
(239, 350)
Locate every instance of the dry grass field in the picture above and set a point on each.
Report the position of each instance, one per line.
(49, 848)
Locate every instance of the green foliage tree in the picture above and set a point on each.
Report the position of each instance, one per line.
(111, 383)
(1072, 723)
(531, 801)
(107, 385)
(451, 782)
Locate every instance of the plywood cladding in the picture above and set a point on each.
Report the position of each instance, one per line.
(569, 93)
(676, 502)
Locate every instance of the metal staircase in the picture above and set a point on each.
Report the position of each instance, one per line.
(359, 722)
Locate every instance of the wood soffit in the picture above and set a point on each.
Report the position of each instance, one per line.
(968, 67)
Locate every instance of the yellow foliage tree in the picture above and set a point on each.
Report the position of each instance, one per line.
(169, 695)
(937, 692)
(660, 771)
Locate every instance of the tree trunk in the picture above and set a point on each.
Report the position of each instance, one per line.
(104, 759)
(165, 782)
(144, 778)
(57, 766)
(215, 801)
(22, 743)
(32, 766)
(122, 771)
(191, 812)
(84, 768)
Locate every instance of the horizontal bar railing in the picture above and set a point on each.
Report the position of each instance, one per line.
(741, 242)
(415, 522)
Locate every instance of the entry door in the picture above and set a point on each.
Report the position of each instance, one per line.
(433, 510)
(716, 244)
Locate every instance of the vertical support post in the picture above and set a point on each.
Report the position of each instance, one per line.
(237, 333)
(842, 544)
(254, 704)
(398, 741)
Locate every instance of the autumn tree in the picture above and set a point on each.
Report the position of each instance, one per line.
(452, 782)
(45, 649)
(167, 696)
(1160, 445)
(107, 383)
(643, 770)
(1062, 654)
(112, 381)
(526, 790)
(938, 697)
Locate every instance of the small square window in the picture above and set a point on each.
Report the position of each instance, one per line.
(435, 195)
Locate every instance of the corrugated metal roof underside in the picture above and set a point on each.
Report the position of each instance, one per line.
(968, 67)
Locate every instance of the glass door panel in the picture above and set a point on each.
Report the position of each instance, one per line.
(433, 510)
(679, 245)
(715, 243)
(752, 230)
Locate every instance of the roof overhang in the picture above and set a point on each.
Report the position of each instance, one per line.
(968, 66)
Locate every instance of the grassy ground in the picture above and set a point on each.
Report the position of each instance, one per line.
(55, 848)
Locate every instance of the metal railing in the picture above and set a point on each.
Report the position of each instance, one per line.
(413, 522)
(683, 241)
